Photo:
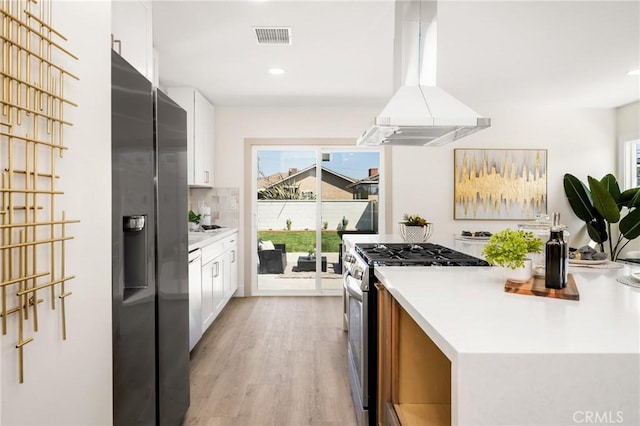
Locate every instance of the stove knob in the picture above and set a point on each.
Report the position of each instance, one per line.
(357, 274)
(349, 258)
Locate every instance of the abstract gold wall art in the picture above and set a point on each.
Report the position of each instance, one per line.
(33, 233)
(499, 184)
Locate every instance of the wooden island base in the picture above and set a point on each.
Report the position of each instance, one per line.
(414, 385)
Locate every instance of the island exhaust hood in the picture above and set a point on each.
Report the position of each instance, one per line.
(420, 113)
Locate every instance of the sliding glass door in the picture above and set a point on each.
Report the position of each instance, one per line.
(305, 199)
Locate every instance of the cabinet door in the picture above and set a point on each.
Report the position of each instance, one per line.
(195, 302)
(203, 116)
(131, 27)
(199, 134)
(210, 271)
(231, 272)
(209, 146)
(218, 285)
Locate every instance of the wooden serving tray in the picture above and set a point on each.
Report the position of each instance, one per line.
(535, 287)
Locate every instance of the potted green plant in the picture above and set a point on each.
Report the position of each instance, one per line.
(602, 204)
(509, 248)
(415, 228)
(288, 224)
(194, 220)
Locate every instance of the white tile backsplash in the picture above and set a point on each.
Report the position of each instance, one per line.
(222, 201)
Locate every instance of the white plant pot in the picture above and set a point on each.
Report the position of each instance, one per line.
(415, 234)
(520, 275)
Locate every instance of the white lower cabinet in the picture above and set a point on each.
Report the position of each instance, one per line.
(218, 279)
(212, 281)
(230, 267)
(218, 286)
(206, 298)
(195, 297)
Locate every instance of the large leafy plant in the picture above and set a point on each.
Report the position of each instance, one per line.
(509, 248)
(601, 204)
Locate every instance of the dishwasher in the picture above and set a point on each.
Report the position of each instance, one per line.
(195, 297)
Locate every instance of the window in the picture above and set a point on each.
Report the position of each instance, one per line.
(305, 198)
(631, 162)
(637, 164)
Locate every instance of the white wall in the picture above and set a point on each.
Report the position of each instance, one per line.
(235, 124)
(579, 141)
(628, 122)
(70, 382)
(628, 129)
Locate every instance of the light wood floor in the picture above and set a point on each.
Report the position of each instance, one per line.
(272, 361)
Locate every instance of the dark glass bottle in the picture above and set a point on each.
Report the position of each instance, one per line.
(555, 254)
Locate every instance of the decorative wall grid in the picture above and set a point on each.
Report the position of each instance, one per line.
(33, 233)
(500, 183)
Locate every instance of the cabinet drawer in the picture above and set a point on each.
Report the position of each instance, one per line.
(230, 242)
(212, 251)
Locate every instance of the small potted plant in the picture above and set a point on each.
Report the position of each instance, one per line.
(194, 220)
(509, 249)
(415, 228)
(288, 224)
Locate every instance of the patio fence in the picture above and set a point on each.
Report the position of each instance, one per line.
(273, 214)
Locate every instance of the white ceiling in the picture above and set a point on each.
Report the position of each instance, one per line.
(520, 53)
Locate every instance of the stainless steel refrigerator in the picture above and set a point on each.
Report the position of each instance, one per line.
(149, 252)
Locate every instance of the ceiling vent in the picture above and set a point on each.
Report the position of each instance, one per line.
(273, 35)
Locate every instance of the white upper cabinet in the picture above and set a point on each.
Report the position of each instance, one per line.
(200, 144)
(132, 34)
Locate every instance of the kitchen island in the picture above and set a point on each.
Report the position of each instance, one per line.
(519, 359)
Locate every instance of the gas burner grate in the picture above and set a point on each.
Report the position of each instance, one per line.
(424, 254)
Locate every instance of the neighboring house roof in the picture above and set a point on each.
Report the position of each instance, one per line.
(368, 180)
(270, 180)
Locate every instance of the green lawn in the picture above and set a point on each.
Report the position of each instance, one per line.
(302, 241)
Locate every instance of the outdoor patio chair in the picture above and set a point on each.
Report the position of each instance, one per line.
(272, 261)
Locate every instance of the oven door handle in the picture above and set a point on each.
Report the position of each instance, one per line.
(353, 288)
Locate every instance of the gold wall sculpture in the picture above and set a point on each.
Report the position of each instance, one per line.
(33, 233)
(504, 184)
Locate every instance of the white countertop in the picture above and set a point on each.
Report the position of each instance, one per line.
(200, 239)
(519, 359)
(466, 310)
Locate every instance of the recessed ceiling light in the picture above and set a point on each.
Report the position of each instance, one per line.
(634, 72)
(276, 71)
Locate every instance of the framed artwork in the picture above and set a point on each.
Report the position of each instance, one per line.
(499, 184)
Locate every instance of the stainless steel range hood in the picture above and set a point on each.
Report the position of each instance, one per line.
(420, 113)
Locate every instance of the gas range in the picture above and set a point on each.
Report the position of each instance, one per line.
(362, 308)
(409, 254)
